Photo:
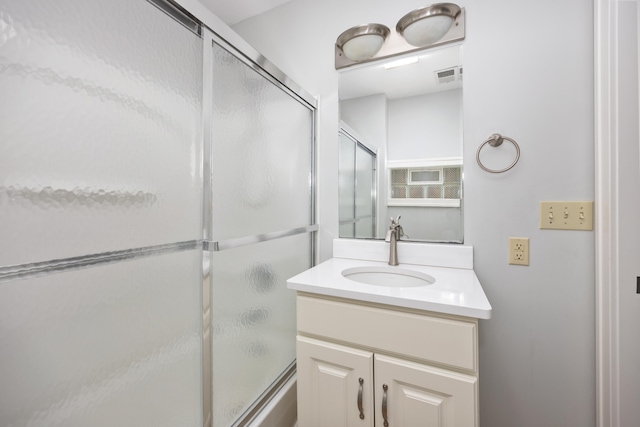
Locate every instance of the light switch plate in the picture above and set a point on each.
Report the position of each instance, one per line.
(566, 215)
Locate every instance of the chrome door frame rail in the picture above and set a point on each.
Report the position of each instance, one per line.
(178, 13)
(36, 269)
(207, 222)
(254, 410)
(222, 245)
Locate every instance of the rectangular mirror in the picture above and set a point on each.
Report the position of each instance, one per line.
(406, 113)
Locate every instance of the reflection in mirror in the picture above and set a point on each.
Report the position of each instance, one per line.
(410, 115)
(357, 180)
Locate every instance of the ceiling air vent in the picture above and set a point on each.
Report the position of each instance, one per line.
(448, 75)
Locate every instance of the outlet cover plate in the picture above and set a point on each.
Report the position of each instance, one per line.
(519, 250)
(566, 215)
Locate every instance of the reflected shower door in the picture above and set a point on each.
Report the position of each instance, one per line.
(261, 192)
(347, 186)
(365, 201)
(357, 188)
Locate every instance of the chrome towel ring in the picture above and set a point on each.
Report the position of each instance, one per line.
(496, 140)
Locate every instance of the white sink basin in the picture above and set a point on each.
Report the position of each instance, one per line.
(393, 277)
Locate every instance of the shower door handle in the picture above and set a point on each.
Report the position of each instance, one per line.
(360, 391)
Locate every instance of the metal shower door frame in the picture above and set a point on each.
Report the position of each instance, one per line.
(267, 70)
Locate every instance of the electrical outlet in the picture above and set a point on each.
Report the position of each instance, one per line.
(519, 250)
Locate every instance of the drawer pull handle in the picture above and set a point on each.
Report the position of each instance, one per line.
(384, 405)
(360, 391)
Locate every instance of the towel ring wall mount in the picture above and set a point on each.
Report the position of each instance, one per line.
(496, 140)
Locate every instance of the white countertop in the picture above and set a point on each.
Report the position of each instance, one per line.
(456, 290)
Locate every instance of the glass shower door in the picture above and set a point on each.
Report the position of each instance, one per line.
(365, 200)
(101, 215)
(261, 230)
(357, 188)
(347, 186)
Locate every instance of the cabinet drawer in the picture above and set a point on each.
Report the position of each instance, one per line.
(441, 340)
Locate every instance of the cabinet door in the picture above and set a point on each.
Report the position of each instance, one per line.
(421, 395)
(330, 392)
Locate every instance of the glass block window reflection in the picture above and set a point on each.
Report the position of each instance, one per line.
(426, 186)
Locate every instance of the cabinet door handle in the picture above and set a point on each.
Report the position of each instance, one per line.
(360, 391)
(384, 405)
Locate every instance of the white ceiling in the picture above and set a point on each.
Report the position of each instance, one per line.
(234, 11)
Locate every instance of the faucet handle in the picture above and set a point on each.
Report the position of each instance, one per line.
(399, 229)
(396, 228)
(395, 222)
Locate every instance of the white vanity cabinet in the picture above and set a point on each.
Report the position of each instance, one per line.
(359, 363)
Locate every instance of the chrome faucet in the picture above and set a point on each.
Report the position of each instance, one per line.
(393, 235)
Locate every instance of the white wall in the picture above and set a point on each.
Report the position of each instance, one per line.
(368, 117)
(528, 75)
(426, 126)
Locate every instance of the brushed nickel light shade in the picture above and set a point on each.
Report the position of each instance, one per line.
(424, 28)
(427, 25)
(363, 42)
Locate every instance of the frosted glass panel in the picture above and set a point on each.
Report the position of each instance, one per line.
(100, 128)
(112, 345)
(254, 320)
(261, 154)
(347, 230)
(347, 178)
(357, 189)
(365, 193)
(364, 228)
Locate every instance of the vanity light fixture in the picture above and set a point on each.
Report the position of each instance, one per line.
(363, 42)
(427, 25)
(424, 28)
